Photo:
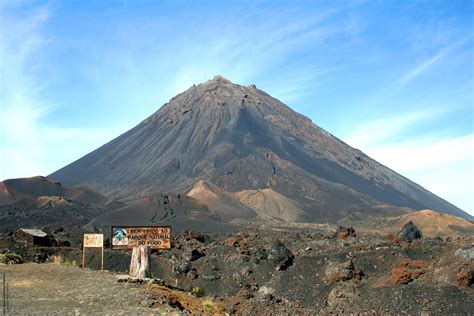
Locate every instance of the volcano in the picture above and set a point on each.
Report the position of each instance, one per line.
(226, 144)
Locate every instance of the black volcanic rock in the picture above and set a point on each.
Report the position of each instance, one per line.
(49, 212)
(240, 138)
(279, 256)
(409, 232)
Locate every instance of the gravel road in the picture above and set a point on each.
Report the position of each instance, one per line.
(51, 289)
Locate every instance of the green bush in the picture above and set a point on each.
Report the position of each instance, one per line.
(208, 304)
(69, 263)
(10, 258)
(198, 292)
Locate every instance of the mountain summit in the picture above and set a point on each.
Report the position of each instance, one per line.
(239, 139)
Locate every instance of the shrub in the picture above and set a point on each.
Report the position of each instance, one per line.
(208, 304)
(198, 292)
(58, 259)
(10, 258)
(69, 263)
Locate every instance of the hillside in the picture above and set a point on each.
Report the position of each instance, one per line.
(13, 190)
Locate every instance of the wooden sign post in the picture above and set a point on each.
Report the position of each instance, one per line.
(93, 241)
(139, 265)
(141, 240)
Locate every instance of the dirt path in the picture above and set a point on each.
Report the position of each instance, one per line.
(51, 289)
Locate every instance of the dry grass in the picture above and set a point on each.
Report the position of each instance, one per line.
(59, 260)
(56, 259)
(188, 301)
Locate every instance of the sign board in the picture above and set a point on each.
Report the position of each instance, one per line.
(94, 240)
(152, 237)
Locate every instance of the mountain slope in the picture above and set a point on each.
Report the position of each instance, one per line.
(247, 204)
(272, 205)
(178, 211)
(13, 190)
(221, 203)
(434, 224)
(431, 223)
(240, 138)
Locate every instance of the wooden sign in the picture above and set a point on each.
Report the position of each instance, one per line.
(152, 237)
(93, 241)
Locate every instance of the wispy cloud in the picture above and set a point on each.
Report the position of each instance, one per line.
(258, 43)
(427, 65)
(418, 71)
(388, 129)
(30, 144)
(301, 83)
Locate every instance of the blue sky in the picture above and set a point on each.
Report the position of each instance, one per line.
(392, 78)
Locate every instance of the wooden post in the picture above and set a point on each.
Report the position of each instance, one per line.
(8, 299)
(139, 265)
(83, 256)
(4, 295)
(93, 241)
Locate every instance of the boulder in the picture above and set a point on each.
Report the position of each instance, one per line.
(279, 256)
(201, 237)
(401, 276)
(409, 271)
(40, 257)
(64, 243)
(192, 254)
(340, 272)
(344, 232)
(409, 232)
(181, 268)
(265, 293)
(465, 253)
(466, 278)
(33, 237)
(343, 295)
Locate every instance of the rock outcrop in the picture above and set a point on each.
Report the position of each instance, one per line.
(33, 237)
(409, 232)
(466, 278)
(279, 256)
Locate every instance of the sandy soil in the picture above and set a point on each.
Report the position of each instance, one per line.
(51, 289)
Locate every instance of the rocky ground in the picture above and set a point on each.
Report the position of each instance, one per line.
(276, 272)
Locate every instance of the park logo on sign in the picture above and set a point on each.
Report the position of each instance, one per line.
(151, 237)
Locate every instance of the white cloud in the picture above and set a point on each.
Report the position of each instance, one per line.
(443, 165)
(426, 154)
